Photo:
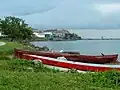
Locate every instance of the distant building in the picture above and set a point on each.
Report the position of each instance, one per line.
(0, 34)
(102, 38)
(52, 33)
(50, 30)
(37, 31)
(39, 35)
(55, 32)
(61, 33)
(47, 34)
(43, 34)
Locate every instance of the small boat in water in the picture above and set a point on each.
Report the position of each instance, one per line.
(71, 64)
(71, 57)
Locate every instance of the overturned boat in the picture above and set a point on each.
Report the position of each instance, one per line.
(71, 57)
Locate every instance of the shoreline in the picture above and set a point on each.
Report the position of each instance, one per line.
(75, 40)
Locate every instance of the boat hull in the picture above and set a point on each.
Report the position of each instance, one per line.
(71, 64)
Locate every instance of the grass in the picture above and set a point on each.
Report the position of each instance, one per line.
(8, 48)
(16, 74)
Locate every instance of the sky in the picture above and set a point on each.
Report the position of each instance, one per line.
(64, 13)
(93, 33)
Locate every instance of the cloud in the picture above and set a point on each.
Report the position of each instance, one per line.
(64, 13)
(108, 8)
(26, 7)
(69, 13)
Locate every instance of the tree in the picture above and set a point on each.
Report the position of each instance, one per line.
(15, 28)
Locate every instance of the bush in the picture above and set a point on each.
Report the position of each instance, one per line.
(107, 79)
(4, 57)
(24, 65)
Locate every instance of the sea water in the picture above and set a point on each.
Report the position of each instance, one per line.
(90, 47)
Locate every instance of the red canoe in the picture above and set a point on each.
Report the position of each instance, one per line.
(71, 64)
(71, 57)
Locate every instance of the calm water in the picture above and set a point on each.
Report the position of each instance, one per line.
(84, 46)
(94, 47)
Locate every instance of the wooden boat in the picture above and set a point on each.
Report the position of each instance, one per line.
(71, 64)
(71, 57)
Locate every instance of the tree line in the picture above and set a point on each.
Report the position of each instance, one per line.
(15, 29)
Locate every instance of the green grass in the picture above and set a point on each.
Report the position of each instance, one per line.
(8, 48)
(16, 74)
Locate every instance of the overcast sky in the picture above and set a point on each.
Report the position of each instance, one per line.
(64, 13)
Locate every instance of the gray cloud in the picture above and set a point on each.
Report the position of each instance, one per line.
(62, 13)
(26, 7)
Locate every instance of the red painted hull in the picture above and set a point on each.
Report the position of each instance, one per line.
(72, 57)
(72, 64)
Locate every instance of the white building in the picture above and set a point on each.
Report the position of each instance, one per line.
(0, 34)
(43, 34)
(48, 34)
(40, 35)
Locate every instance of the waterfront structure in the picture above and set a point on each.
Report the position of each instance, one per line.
(39, 35)
(56, 34)
(61, 33)
(43, 34)
(47, 34)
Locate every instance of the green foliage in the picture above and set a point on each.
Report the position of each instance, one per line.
(28, 75)
(23, 65)
(72, 36)
(4, 57)
(8, 48)
(109, 79)
(15, 28)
